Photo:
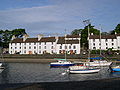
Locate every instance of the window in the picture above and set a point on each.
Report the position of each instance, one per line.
(60, 47)
(24, 51)
(34, 47)
(112, 40)
(65, 47)
(39, 51)
(29, 43)
(93, 40)
(94, 47)
(52, 47)
(34, 43)
(106, 44)
(29, 47)
(52, 51)
(93, 44)
(75, 51)
(69, 47)
(24, 47)
(106, 47)
(39, 47)
(45, 47)
(15, 47)
(112, 44)
(35, 52)
(74, 47)
(39, 43)
(60, 51)
(45, 43)
(106, 40)
(20, 47)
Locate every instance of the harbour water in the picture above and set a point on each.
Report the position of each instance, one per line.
(37, 72)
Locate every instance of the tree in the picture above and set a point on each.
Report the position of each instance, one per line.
(5, 36)
(117, 28)
(84, 33)
(76, 32)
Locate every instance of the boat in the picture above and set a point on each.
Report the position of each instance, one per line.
(61, 63)
(96, 61)
(115, 68)
(85, 71)
(0, 64)
(83, 68)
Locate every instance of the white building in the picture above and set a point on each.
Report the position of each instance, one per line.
(107, 41)
(41, 45)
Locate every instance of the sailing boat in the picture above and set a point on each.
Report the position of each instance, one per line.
(114, 68)
(62, 62)
(84, 69)
(97, 61)
(1, 57)
(1, 64)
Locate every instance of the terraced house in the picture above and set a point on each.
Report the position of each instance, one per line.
(104, 42)
(42, 45)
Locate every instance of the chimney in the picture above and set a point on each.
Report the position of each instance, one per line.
(40, 36)
(91, 33)
(25, 36)
(13, 37)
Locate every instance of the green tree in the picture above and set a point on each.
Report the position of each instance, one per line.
(84, 33)
(76, 32)
(5, 36)
(117, 28)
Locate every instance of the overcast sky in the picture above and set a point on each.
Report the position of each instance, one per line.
(54, 16)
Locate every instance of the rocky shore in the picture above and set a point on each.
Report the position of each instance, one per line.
(103, 84)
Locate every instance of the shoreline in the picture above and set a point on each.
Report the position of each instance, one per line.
(102, 84)
(29, 60)
(36, 60)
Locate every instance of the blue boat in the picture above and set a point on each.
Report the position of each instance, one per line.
(61, 63)
(115, 69)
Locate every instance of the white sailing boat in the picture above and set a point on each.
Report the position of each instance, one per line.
(83, 69)
(97, 61)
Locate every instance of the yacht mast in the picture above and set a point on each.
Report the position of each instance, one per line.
(65, 45)
(87, 22)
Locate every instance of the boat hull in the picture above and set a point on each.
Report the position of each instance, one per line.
(84, 71)
(115, 69)
(99, 64)
(61, 65)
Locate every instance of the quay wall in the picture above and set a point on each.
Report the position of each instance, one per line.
(47, 58)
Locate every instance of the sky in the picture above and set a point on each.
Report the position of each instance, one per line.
(53, 17)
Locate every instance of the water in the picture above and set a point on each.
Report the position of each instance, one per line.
(36, 72)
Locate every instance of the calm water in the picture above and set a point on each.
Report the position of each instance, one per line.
(36, 72)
